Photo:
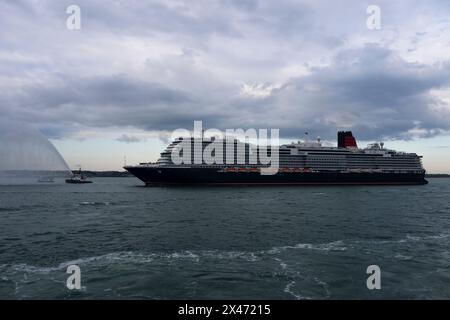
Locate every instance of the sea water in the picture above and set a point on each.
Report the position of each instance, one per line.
(224, 242)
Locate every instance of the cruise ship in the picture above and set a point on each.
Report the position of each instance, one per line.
(299, 163)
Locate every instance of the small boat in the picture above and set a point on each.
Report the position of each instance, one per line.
(78, 179)
(46, 180)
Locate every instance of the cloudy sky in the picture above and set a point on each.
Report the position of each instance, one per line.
(138, 69)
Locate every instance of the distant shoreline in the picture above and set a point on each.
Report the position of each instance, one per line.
(105, 174)
(125, 174)
(437, 175)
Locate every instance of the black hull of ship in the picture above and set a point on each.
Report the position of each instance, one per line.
(160, 176)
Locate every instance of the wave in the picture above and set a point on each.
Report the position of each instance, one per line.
(94, 203)
(186, 255)
(325, 286)
(288, 289)
(407, 239)
(403, 257)
(330, 246)
(130, 257)
(197, 256)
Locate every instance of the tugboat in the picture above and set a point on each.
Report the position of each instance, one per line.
(78, 179)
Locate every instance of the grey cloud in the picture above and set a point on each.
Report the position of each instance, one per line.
(100, 102)
(129, 139)
(370, 90)
(53, 78)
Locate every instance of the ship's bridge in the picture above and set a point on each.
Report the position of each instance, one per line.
(300, 145)
(304, 144)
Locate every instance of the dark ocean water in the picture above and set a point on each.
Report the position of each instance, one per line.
(225, 243)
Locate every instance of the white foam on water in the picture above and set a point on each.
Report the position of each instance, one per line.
(283, 265)
(402, 257)
(411, 238)
(197, 256)
(94, 203)
(184, 255)
(107, 258)
(231, 255)
(407, 239)
(330, 246)
(440, 236)
(324, 285)
(25, 268)
(136, 258)
(288, 289)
